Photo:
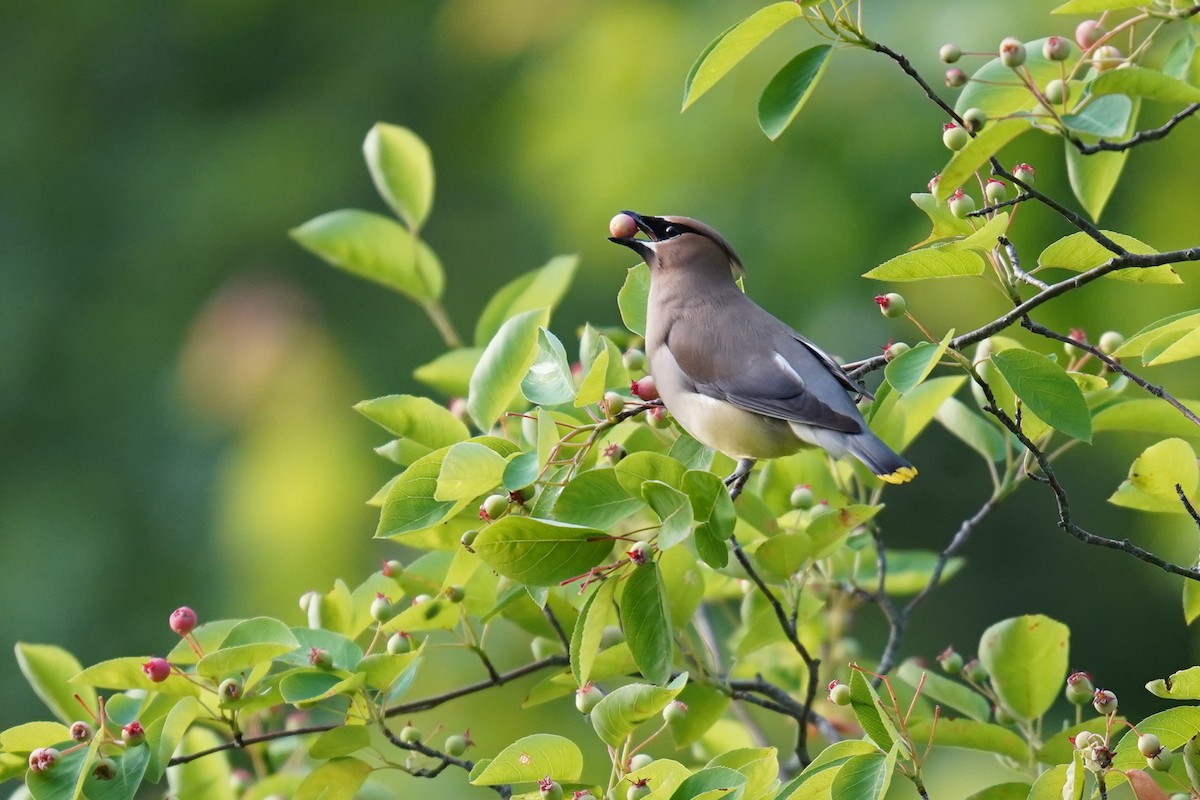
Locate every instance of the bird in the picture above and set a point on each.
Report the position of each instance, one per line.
(734, 377)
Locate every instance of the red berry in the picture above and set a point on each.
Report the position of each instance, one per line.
(622, 226)
(157, 669)
(644, 389)
(183, 620)
(639, 553)
(43, 758)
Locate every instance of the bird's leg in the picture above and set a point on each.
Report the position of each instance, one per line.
(737, 479)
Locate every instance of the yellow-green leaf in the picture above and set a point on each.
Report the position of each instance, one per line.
(724, 52)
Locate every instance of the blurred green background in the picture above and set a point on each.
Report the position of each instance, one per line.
(176, 376)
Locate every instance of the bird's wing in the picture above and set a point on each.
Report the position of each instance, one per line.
(778, 375)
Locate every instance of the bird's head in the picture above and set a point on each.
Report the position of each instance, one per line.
(673, 243)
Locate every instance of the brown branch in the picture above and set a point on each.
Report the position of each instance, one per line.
(1187, 505)
(444, 760)
(983, 212)
(1141, 137)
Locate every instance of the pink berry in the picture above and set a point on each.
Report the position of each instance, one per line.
(622, 226)
(644, 389)
(133, 734)
(1056, 48)
(1088, 32)
(183, 620)
(157, 669)
(955, 78)
(933, 182)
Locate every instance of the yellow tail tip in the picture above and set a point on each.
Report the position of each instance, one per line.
(902, 475)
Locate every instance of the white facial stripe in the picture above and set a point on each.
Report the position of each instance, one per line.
(788, 368)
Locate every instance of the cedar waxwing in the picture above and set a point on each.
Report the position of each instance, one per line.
(736, 378)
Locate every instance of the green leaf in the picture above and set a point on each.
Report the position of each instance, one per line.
(724, 52)
(909, 571)
(790, 89)
(1046, 389)
(972, 429)
(531, 758)
(1014, 790)
(1191, 602)
(591, 388)
(540, 552)
(450, 373)
(760, 766)
(165, 734)
(914, 366)
(1151, 84)
(1092, 6)
(595, 498)
(1094, 177)
(985, 237)
(49, 669)
(864, 777)
(588, 631)
(1178, 62)
(993, 87)
(945, 224)
(899, 419)
(818, 776)
(975, 155)
(679, 570)
(29, 736)
(549, 381)
(203, 778)
(377, 248)
(673, 508)
(126, 673)
(637, 468)
(309, 687)
(1181, 685)
(646, 624)
(1137, 345)
(1154, 474)
(931, 262)
(663, 774)
(1149, 415)
(1080, 252)
(541, 288)
(381, 670)
(521, 471)
(633, 297)
(714, 514)
(706, 704)
(249, 643)
(868, 710)
(504, 363)
(1174, 727)
(416, 419)
(402, 169)
(972, 735)
(626, 707)
(1026, 658)
(946, 692)
(703, 784)
(468, 470)
(339, 779)
(410, 506)
(1105, 117)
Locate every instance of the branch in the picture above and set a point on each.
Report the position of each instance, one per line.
(445, 760)
(1187, 504)
(1015, 262)
(1140, 137)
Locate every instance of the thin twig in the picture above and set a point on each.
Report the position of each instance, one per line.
(983, 212)
(1141, 137)
(1187, 504)
(1015, 263)
(444, 760)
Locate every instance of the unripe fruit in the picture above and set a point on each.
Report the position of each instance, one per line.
(584, 794)
(183, 620)
(393, 569)
(468, 538)
(549, 789)
(951, 661)
(614, 453)
(81, 731)
(1056, 48)
(1057, 92)
(638, 789)
(1076, 335)
(230, 689)
(454, 594)
(587, 696)
(644, 389)
(43, 759)
(974, 671)
(995, 191)
(1161, 761)
(381, 608)
(133, 735)
(399, 643)
(802, 497)
(657, 418)
(892, 305)
(320, 658)
(1148, 745)
(1004, 716)
(157, 669)
(639, 761)
(955, 137)
(950, 53)
(1024, 173)
(839, 694)
(674, 711)
(1110, 341)
(493, 507)
(640, 553)
(975, 118)
(634, 360)
(613, 404)
(1012, 52)
(895, 350)
(1079, 688)
(421, 598)
(1084, 739)
(105, 769)
(933, 182)
(622, 226)
(457, 744)
(961, 204)
(410, 735)
(1088, 32)
(541, 647)
(1105, 702)
(955, 78)
(1107, 57)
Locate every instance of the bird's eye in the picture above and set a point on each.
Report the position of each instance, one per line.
(673, 230)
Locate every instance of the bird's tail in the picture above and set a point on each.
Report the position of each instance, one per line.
(884, 462)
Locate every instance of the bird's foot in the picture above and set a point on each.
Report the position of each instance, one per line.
(737, 479)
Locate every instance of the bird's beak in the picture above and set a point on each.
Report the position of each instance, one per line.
(645, 224)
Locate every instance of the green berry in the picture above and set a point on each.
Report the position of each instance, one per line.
(1024, 173)
(393, 569)
(802, 497)
(891, 305)
(1077, 336)
(81, 731)
(674, 711)
(1056, 48)
(454, 594)
(1079, 688)
(956, 78)
(229, 690)
(975, 118)
(543, 647)
(974, 671)
(1057, 92)
(381, 608)
(133, 734)
(955, 137)
(493, 507)
(1107, 57)
(895, 350)
(1012, 52)
(639, 761)
(1148, 745)
(1085, 739)
(1161, 761)
(614, 404)
(657, 418)
(640, 552)
(468, 538)
(587, 696)
(320, 658)
(399, 643)
(839, 694)
(950, 53)
(410, 734)
(456, 744)
(549, 789)
(105, 769)
(995, 191)
(638, 789)
(1105, 702)
(961, 204)
(951, 661)
(634, 360)
(1110, 341)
